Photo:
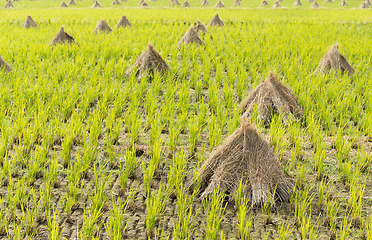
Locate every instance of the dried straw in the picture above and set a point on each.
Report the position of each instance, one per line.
(272, 96)
(334, 60)
(245, 156)
(148, 61)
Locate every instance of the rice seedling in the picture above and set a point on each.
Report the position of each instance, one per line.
(267, 206)
(285, 231)
(363, 159)
(278, 135)
(330, 221)
(307, 229)
(176, 174)
(184, 227)
(127, 169)
(354, 205)
(12, 201)
(152, 166)
(155, 204)
(194, 133)
(53, 226)
(117, 222)
(345, 228)
(91, 224)
(301, 201)
(99, 195)
(214, 132)
(245, 224)
(368, 228)
(3, 213)
(214, 208)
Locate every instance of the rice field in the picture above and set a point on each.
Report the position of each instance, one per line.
(89, 152)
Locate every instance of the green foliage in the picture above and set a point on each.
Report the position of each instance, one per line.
(67, 109)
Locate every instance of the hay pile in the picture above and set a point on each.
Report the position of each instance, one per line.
(328, 1)
(200, 28)
(343, 3)
(272, 96)
(102, 26)
(175, 2)
(245, 156)
(314, 5)
(149, 61)
(297, 3)
(63, 4)
(96, 5)
(334, 60)
(115, 2)
(29, 22)
(276, 5)
(4, 65)
(72, 2)
(144, 4)
(219, 5)
(237, 3)
(264, 3)
(9, 4)
(124, 22)
(363, 5)
(190, 37)
(205, 3)
(186, 4)
(216, 21)
(62, 37)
